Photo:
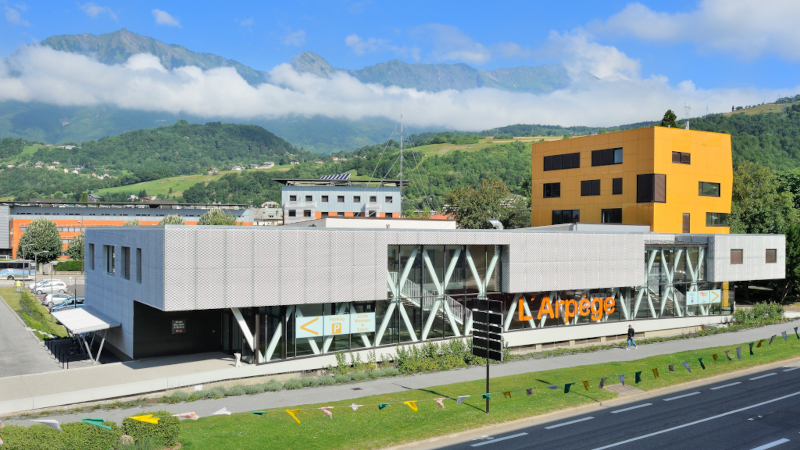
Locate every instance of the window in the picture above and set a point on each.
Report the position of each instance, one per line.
(309, 198)
(607, 157)
(292, 213)
(126, 263)
(552, 190)
(616, 186)
(307, 213)
(324, 199)
(708, 189)
(108, 258)
(559, 162)
(716, 220)
(373, 199)
(91, 256)
(389, 200)
(566, 216)
(590, 187)
(292, 198)
(389, 215)
(737, 256)
(356, 214)
(139, 265)
(681, 158)
(372, 213)
(612, 215)
(324, 214)
(340, 199)
(356, 199)
(772, 256)
(651, 188)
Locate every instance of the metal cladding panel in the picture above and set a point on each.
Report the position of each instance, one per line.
(239, 268)
(5, 227)
(754, 265)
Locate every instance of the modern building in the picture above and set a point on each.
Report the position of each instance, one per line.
(282, 293)
(268, 217)
(72, 218)
(674, 180)
(339, 196)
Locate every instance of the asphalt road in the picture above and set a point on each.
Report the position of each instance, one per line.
(757, 411)
(20, 351)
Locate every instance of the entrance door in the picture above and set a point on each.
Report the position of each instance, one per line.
(686, 221)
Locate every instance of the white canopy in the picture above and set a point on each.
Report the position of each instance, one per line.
(84, 320)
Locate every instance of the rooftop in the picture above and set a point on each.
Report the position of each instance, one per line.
(348, 182)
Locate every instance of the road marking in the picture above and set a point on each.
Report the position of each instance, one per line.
(632, 407)
(763, 376)
(568, 423)
(735, 411)
(492, 441)
(791, 369)
(681, 396)
(726, 385)
(772, 444)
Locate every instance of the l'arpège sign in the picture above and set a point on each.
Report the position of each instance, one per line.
(595, 308)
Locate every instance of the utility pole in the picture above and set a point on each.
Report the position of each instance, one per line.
(401, 157)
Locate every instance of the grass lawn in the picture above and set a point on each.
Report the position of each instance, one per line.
(11, 297)
(760, 109)
(370, 427)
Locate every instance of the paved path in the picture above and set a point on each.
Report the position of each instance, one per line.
(346, 392)
(20, 351)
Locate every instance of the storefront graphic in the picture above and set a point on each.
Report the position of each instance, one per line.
(704, 297)
(315, 326)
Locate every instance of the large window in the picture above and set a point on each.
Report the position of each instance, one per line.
(681, 158)
(126, 263)
(91, 256)
(651, 188)
(737, 256)
(590, 187)
(552, 190)
(607, 157)
(139, 265)
(616, 186)
(566, 216)
(716, 220)
(772, 256)
(559, 162)
(108, 258)
(707, 189)
(612, 215)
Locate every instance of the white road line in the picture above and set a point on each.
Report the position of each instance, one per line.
(645, 436)
(568, 423)
(681, 396)
(763, 376)
(492, 441)
(791, 369)
(632, 407)
(726, 385)
(772, 444)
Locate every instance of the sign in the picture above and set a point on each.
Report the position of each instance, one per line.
(335, 325)
(488, 335)
(488, 354)
(488, 305)
(595, 308)
(362, 323)
(178, 326)
(340, 324)
(308, 327)
(490, 318)
(491, 345)
(703, 297)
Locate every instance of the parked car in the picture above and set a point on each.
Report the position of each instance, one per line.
(32, 286)
(54, 299)
(70, 303)
(55, 286)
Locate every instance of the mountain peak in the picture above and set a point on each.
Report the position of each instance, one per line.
(310, 62)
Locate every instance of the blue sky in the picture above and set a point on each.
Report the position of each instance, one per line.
(708, 49)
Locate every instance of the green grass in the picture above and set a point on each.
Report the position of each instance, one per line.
(11, 297)
(372, 428)
(760, 109)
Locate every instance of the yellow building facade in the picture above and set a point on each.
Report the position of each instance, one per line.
(675, 180)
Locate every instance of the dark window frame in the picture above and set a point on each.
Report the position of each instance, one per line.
(389, 199)
(681, 158)
(702, 184)
(356, 199)
(562, 162)
(616, 186)
(340, 199)
(292, 213)
(292, 198)
(373, 199)
(91, 256)
(306, 213)
(309, 198)
(651, 188)
(771, 256)
(324, 199)
(573, 215)
(590, 188)
(737, 256)
(139, 265)
(551, 190)
(607, 157)
(126, 263)
(717, 219)
(614, 215)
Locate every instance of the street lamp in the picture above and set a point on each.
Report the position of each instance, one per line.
(23, 257)
(36, 261)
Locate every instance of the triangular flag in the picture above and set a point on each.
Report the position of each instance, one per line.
(382, 405)
(795, 332)
(49, 423)
(672, 367)
(785, 337)
(96, 422)
(686, 364)
(146, 418)
(602, 382)
(529, 391)
(461, 399)
(715, 356)
(260, 413)
(701, 363)
(222, 411)
(440, 402)
(655, 372)
(487, 396)
(2, 425)
(507, 394)
(355, 407)
(553, 387)
(293, 412)
(327, 411)
(729, 356)
(771, 339)
(751, 348)
(760, 342)
(621, 378)
(586, 385)
(567, 386)
(739, 352)
(638, 377)
(412, 404)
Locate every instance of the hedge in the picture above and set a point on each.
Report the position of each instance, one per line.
(76, 436)
(165, 434)
(69, 266)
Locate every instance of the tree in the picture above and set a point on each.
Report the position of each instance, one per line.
(473, 208)
(142, 193)
(84, 197)
(757, 206)
(792, 280)
(131, 223)
(75, 247)
(172, 219)
(40, 236)
(216, 216)
(669, 119)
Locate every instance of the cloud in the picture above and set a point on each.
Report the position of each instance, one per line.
(451, 44)
(93, 10)
(372, 45)
(165, 18)
(579, 54)
(246, 23)
(41, 74)
(294, 38)
(744, 28)
(14, 16)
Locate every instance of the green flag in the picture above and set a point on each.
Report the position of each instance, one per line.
(260, 413)
(638, 377)
(701, 363)
(382, 405)
(487, 396)
(751, 348)
(567, 386)
(96, 422)
(795, 332)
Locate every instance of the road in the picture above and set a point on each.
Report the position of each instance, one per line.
(757, 411)
(20, 351)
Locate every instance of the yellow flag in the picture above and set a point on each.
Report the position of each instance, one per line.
(507, 394)
(715, 356)
(586, 385)
(655, 372)
(759, 343)
(412, 404)
(292, 413)
(147, 418)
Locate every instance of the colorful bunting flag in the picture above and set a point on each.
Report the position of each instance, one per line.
(293, 412)
(567, 386)
(355, 407)
(729, 356)
(2, 425)
(686, 364)
(785, 337)
(189, 415)
(327, 411)
(672, 367)
(795, 332)
(96, 422)
(638, 377)
(440, 402)
(222, 411)
(553, 387)
(739, 352)
(461, 399)
(621, 378)
(751, 348)
(655, 372)
(412, 404)
(50, 423)
(529, 391)
(715, 356)
(586, 385)
(507, 394)
(760, 342)
(703, 366)
(382, 405)
(487, 396)
(771, 339)
(146, 418)
(602, 382)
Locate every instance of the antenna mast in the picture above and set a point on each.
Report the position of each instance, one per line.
(401, 157)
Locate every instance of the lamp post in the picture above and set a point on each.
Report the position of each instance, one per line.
(35, 273)
(23, 257)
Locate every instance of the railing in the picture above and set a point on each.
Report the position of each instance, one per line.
(413, 292)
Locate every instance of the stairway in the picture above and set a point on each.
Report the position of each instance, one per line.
(412, 293)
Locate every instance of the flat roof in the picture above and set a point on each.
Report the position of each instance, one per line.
(348, 182)
(84, 320)
(152, 204)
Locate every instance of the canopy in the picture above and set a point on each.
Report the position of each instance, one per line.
(84, 320)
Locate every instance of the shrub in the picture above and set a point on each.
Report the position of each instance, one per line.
(273, 385)
(69, 266)
(235, 390)
(178, 396)
(325, 380)
(360, 375)
(77, 436)
(309, 382)
(759, 313)
(217, 392)
(255, 389)
(342, 378)
(163, 434)
(293, 383)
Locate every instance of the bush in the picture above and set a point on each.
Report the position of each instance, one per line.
(759, 314)
(342, 378)
(360, 375)
(234, 391)
(76, 435)
(176, 397)
(430, 356)
(325, 380)
(69, 266)
(164, 434)
(273, 385)
(309, 382)
(293, 383)
(255, 389)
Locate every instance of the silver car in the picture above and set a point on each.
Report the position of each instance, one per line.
(54, 286)
(53, 299)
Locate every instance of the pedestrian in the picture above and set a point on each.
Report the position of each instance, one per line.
(631, 333)
(19, 285)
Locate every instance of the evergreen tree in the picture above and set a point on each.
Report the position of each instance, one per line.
(669, 119)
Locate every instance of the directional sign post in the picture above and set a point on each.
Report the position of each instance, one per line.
(487, 334)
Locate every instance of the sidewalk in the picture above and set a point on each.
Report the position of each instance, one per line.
(344, 392)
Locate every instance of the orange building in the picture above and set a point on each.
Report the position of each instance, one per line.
(675, 180)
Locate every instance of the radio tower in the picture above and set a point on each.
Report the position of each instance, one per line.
(687, 109)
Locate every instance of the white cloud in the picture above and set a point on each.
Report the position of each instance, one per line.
(294, 38)
(452, 44)
(246, 23)
(41, 74)
(13, 16)
(579, 53)
(165, 18)
(371, 45)
(92, 10)
(744, 28)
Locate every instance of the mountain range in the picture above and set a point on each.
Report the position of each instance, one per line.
(57, 124)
